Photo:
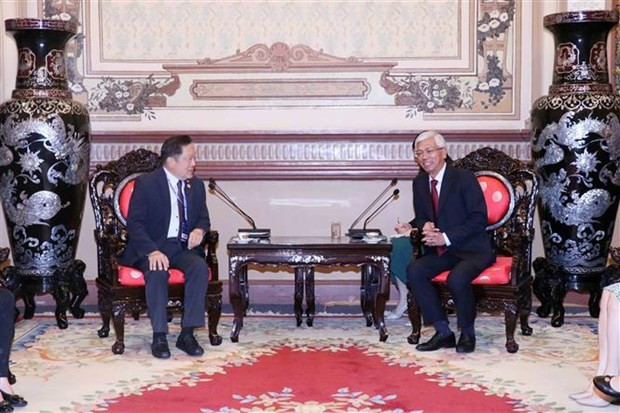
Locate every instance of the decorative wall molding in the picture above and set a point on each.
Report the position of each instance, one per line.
(455, 59)
(279, 57)
(284, 156)
(280, 89)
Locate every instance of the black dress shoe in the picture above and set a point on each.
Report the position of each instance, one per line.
(466, 344)
(438, 341)
(5, 407)
(14, 400)
(189, 345)
(159, 348)
(603, 383)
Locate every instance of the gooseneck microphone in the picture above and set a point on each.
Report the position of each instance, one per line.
(359, 233)
(381, 207)
(253, 232)
(215, 187)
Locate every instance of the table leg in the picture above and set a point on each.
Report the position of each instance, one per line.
(299, 294)
(382, 296)
(310, 300)
(366, 295)
(238, 298)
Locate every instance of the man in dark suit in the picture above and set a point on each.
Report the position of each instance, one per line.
(451, 214)
(167, 222)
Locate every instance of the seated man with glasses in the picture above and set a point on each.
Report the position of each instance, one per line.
(167, 222)
(451, 214)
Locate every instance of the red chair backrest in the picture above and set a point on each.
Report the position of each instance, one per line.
(122, 197)
(499, 197)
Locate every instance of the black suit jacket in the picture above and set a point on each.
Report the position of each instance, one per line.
(149, 214)
(462, 214)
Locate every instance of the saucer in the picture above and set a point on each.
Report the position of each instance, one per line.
(243, 240)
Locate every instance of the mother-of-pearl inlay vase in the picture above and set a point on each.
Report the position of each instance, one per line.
(575, 134)
(44, 161)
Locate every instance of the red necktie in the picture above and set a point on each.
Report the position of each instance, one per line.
(435, 198)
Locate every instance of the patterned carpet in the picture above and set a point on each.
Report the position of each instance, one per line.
(336, 366)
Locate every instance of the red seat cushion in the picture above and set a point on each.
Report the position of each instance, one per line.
(498, 273)
(496, 196)
(125, 197)
(133, 277)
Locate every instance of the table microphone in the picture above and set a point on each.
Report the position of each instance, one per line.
(380, 209)
(252, 232)
(359, 233)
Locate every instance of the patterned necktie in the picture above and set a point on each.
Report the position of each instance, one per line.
(183, 229)
(435, 198)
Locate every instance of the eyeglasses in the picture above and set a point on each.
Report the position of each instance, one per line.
(427, 152)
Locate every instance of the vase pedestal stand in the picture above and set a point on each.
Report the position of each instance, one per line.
(552, 284)
(66, 285)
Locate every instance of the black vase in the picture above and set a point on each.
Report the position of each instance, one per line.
(575, 133)
(44, 161)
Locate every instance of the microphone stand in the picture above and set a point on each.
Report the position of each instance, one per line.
(379, 210)
(359, 233)
(252, 232)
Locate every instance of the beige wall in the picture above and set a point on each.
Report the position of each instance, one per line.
(306, 206)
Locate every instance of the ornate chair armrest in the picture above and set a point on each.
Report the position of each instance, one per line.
(108, 248)
(416, 240)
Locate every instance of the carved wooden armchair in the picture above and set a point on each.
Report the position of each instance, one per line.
(121, 289)
(510, 189)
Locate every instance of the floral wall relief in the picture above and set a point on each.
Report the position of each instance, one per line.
(131, 96)
(428, 94)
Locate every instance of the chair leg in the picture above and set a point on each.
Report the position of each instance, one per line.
(105, 309)
(413, 311)
(118, 319)
(510, 315)
(524, 305)
(214, 311)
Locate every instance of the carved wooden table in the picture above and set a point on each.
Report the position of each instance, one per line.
(303, 254)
